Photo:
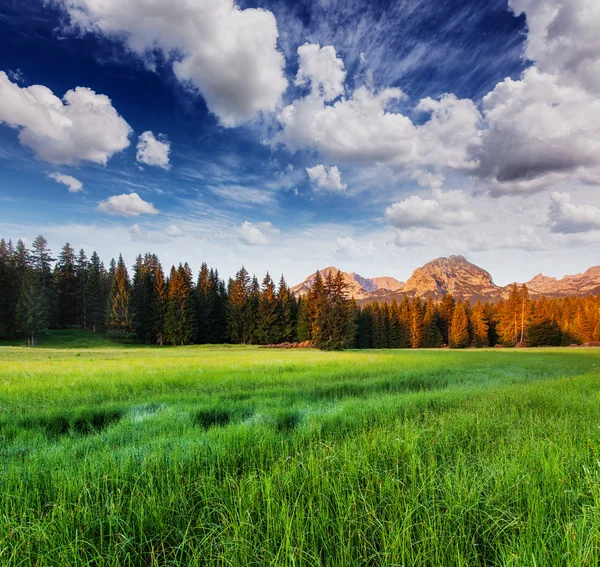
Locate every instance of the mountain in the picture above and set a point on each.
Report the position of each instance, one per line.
(358, 287)
(458, 276)
(451, 275)
(587, 283)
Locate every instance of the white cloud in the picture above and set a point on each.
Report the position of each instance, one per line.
(153, 151)
(326, 179)
(174, 231)
(127, 205)
(568, 218)
(360, 129)
(322, 70)
(444, 210)
(140, 234)
(257, 234)
(563, 39)
(228, 54)
(73, 185)
(242, 195)
(540, 132)
(83, 126)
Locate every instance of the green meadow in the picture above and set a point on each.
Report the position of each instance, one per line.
(117, 455)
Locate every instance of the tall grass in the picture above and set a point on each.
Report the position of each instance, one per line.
(243, 456)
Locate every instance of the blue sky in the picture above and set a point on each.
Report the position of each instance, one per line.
(289, 136)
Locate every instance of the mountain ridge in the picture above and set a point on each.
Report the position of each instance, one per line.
(455, 274)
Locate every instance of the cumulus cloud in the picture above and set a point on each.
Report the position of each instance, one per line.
(227, 54)
(257, 234)
(360, 129)
(83, 126)
(174, 231)
(444, 210)
(563, 39)
(540, 132)
(73, 185)
(567, 218)
(127, 205)
(322, 69)
(326, 179)
(153, 151)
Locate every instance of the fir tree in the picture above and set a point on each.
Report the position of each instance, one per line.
(446, 312)
(303, 326)
(267, 327)
(66, 288)
(479, 326)
(31, 310)
(432, 337)
(179, 322)
(286, 307)
(239, 308)
(542, 329)
(160, 297)
(459, 328)
(118, 315)
(417, 314)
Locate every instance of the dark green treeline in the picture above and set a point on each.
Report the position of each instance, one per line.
(39, 292)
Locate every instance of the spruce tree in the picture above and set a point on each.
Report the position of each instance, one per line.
(432, 337)
(286, 307)
(160, 297)
(118, 314)
(268, 329)
(446, 311)
(542, 329)
(417, 314)
(479, 326)
(239, 308)
(31, 310)
(179, 318)
(459, 328)
(303, 326)
(66, 288)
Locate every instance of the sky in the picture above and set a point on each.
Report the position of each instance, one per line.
(293, 135)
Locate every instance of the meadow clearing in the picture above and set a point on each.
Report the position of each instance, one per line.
(239, 456)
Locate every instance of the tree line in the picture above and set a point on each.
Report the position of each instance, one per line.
(39, 292)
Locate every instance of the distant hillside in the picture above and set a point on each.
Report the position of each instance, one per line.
(458, 276)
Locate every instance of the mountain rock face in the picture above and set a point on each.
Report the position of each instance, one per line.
(587, 283)
(451, 275)
(457, 276)
(358, 287)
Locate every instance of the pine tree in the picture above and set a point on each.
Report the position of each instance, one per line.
(82, 272)
(31, 310)
(459, 328)
(542, 329)
(303, 326)
(404, 322)
(160, 297)
(317, 306)
(267, 325)
(239, 308)
(204, 305)
(66, 288)
(446, 311)
(479, 326)
(432, 337)
(118, 316)
(286, 307)
(417, 315)
(42, 262)
(335, 327)
(179, 319)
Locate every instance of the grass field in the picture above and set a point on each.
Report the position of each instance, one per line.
(232, 456)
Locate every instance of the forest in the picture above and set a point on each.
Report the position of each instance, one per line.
(39, 292)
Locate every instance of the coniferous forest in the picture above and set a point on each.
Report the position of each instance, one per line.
(153, 306)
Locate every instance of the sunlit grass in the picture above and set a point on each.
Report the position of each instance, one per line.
(243, 456)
